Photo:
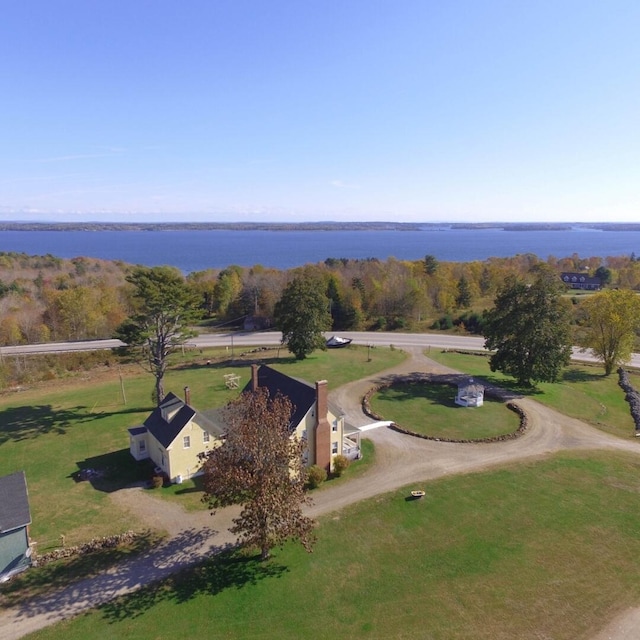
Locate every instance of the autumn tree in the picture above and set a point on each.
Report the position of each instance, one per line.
(612, 318)
(302, 314)
(260, 466)
(528, 329)
(163, 310)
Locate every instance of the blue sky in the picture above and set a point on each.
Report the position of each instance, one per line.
(411, 110)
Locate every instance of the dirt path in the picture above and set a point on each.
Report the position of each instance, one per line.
(400, 461)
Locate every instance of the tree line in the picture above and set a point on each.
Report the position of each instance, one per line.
(45, 298)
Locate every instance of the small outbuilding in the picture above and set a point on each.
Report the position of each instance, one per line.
(470, 394)
(15, 518)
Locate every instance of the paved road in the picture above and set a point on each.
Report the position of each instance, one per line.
(235, 341)
(400, 461)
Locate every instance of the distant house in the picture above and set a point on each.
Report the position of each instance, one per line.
(470, 394)
(314, 420)
(581, 281)
(173, 436)
(15, 518)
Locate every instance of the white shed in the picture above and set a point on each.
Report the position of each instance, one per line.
(470, 394)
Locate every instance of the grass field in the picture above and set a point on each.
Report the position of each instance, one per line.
(544, 549)
(429, 409)
(53, 430)
(583, 392)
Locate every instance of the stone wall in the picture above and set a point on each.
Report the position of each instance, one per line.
(97, 544)
(632, 397)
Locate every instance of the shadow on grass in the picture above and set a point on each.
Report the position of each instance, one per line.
(23, 423)
(228, 570)
(401, 391)
(113, 471)
(40, 580)
(581, 375)
(151, 566)
(198, 487)
(240, 362)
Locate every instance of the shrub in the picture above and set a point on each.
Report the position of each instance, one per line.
(340, 465)
(316, 476)
(157, 482)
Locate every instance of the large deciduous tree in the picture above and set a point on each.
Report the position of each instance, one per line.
(163, 308)
(302, 314)
(612, 320)
(529, 329)
(260, 466)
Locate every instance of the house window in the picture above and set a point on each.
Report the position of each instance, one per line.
(205, 436)
(334, 428)
(142, 446)
(186, 442)
(304, 434)
(334, 447)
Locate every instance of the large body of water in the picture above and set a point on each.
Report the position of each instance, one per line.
(200, 250)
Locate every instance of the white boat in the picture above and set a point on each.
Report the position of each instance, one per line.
(335, 342)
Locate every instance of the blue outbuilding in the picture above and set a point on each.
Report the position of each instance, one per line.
(15, 518)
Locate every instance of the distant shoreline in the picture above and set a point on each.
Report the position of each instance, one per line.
(309, 226)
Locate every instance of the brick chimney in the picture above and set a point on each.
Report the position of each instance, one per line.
(187, 395)
(254, 377)
(323, 428)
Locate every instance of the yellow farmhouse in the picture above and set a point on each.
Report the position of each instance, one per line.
(175, 435)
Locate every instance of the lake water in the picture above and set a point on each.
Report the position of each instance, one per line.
(199, 250)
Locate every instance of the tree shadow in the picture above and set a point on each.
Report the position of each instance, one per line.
(112, 471)
(27, 422)
(244, 361)
(581, 375)
(152, 566)
(198, 487)
(38, 581)
(230, 569)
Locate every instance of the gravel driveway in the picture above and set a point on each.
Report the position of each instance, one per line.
(400, 460)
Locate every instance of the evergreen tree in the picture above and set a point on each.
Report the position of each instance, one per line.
(163, 309)
(463, 297)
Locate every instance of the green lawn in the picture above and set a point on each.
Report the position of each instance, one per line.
(429, 409)
(584, 392)
(543, 549)
(54, 430)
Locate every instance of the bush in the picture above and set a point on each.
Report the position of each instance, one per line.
(157, 482)
(340, 465)
(316, 476)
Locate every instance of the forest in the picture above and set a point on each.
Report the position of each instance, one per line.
(46, 298)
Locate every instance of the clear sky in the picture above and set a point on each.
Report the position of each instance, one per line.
(291, 110)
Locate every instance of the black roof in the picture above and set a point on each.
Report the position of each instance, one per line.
(301, 395)
(165, 429)
(14, 502)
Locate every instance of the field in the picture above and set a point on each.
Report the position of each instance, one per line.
(546, 549)
(429, 409)
(54, 430)
(584, 392)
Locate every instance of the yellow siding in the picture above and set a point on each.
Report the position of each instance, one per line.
(184, 462)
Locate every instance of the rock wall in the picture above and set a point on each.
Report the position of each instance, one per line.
(631, 396)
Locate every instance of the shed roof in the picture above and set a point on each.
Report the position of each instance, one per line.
(14, 502)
